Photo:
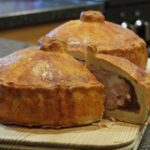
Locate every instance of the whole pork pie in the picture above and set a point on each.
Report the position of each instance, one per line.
(106, 37)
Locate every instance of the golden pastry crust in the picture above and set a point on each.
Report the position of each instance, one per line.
(138, 78)
(48, 89)
(137, 74)
(107, 37)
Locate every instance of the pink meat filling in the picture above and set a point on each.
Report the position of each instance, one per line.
(119, 91)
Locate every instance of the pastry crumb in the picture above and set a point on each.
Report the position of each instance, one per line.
(111, 119)
(104, 124)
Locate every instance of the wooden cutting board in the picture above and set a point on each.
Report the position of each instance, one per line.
(105, 134)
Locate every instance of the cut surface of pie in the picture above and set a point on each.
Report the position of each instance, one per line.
(127, 87)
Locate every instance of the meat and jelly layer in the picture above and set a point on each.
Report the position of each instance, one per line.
(120, 93)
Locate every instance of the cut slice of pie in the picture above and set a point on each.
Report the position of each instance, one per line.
(127, 87)
(48, 89)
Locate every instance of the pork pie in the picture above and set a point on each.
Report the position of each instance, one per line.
(127, 87)
(48, 89)
(107, 37)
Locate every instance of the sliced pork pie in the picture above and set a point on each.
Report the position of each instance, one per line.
(48, 89)
(127, 87)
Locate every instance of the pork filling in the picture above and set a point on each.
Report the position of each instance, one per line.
(120, 93)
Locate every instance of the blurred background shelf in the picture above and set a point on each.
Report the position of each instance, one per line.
(28, 20)
(16, 13)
